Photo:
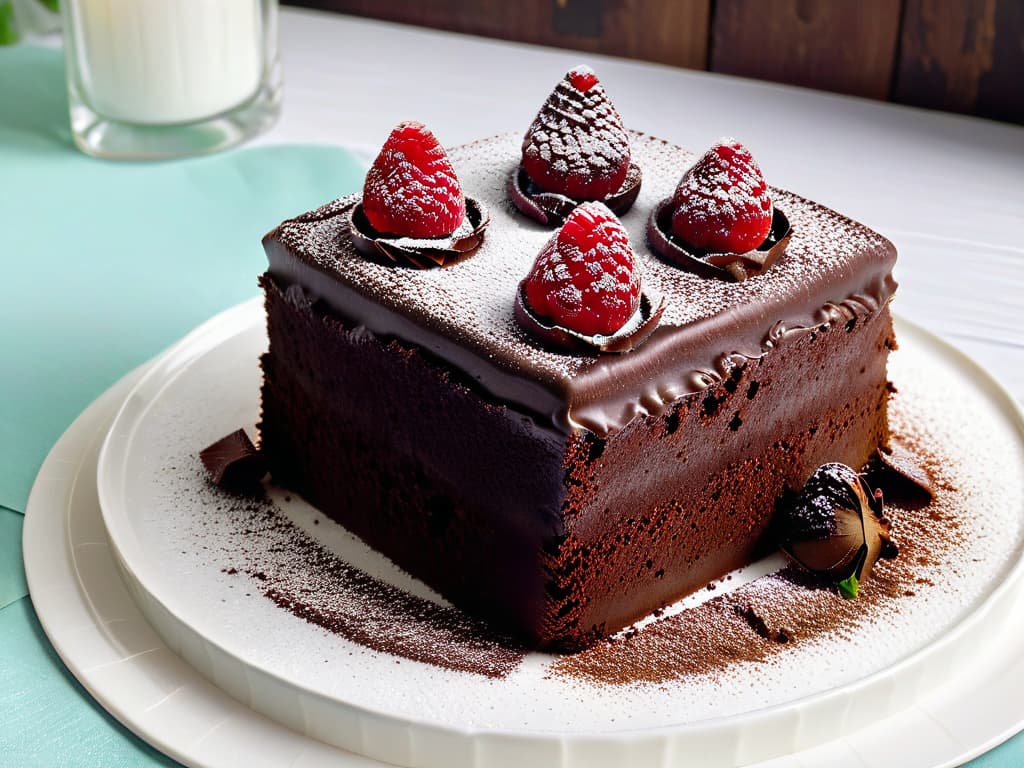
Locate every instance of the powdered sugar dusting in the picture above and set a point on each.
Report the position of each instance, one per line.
(722, 203)
(411, 188)
(472, 301)
(576, 145)
(954, 553)
(584, 278)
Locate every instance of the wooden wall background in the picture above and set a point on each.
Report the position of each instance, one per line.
(956, 55)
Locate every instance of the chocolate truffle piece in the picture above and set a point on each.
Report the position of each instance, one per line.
(234, 463)
(835, 527)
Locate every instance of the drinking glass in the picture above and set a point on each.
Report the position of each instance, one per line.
(150, 79)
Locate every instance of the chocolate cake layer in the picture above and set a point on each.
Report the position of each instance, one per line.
(564, 496)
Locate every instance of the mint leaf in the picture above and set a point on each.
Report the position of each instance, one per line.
(8, 30)
(849, 588)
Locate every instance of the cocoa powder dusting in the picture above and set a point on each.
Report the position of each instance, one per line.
(752, 623)
(759, 620)
(301, 576)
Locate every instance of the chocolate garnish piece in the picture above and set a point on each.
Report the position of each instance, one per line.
(899, 461)
(735, 266)
(835, 527)
(421, 253)
(234, 463)
(552, 208)
(630, 336)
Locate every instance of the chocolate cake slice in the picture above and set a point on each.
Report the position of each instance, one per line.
(564, 495)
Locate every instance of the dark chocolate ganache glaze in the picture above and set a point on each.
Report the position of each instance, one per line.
(834, 271)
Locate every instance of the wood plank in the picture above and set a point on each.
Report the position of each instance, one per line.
(963, 56)
(665, 31)
(1001, 89)
(847, 47)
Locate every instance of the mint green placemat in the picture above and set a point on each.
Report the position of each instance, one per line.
(105, 264)
(1009, 754)
(48, 718)
(12, 569)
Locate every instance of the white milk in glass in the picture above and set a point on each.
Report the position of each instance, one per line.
(138, 64)
(168, 61)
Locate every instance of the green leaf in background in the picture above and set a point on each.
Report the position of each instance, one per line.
(8, 29)
(52, 5)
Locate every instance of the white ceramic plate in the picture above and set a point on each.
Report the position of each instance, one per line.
(954, 737)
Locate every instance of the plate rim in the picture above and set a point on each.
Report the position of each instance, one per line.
(907, 665)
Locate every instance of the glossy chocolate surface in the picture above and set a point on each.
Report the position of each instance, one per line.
(832, 271)
(626, 339)
(420, 253)
(727, 266)
(234, 463)
(552, 208)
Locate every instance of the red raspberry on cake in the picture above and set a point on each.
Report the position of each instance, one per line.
(576, 145)
(722, 204)
(585, 278)
(411, 189)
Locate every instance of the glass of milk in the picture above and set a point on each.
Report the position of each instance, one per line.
(150, 79)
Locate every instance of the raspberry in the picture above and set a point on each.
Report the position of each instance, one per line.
(576, 145)
(722, 203)
(411, 189)
(585, 278)
(582, 78)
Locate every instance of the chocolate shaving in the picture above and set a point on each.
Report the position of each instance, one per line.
(552, 208)
(734, 266)
(899, 461)
(234, 463)
(648, 314)
(422, 253)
